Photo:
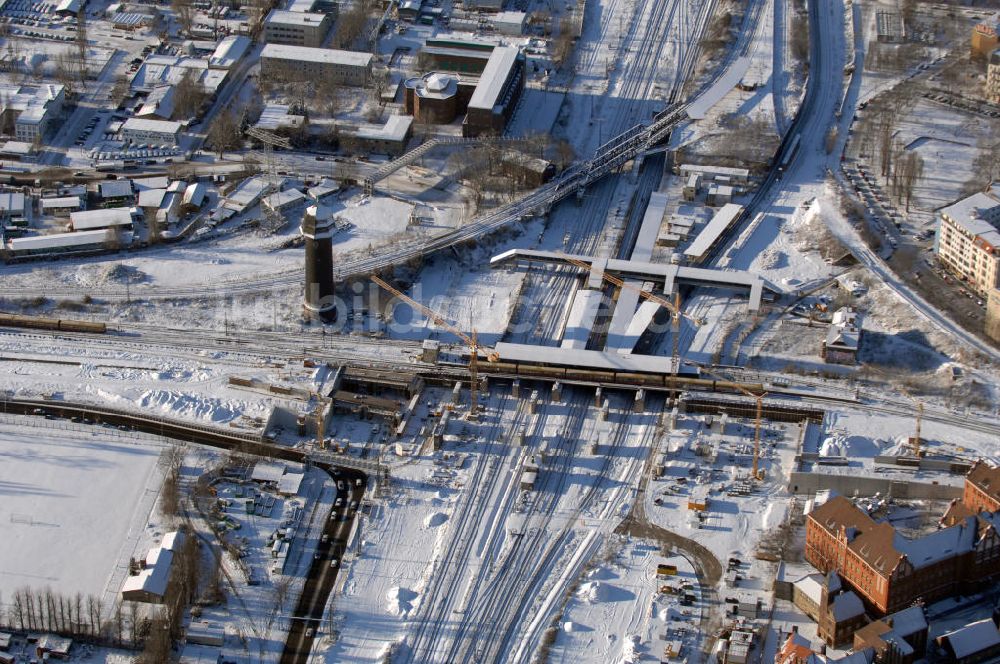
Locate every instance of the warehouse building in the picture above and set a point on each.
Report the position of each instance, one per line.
(151, 132)
(500, 88)
(61, 206)
(229, 51)
(89, 220)
(64, 242)
(13, 208)
(150, 583)
(296, 28)
(290, 63)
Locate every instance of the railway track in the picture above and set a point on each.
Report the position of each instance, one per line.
(434, 616)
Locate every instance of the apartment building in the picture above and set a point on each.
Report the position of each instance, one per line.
(296, 28)
(993, 77)
(968, 243)
(286, 62)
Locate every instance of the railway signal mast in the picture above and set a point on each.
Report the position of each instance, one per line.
(471, 340)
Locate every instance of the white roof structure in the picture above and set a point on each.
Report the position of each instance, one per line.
(286, 17)
(151, 198)
(265, 471)
(87, 220)
(172, 541)
(146, 125)
(665, 277)
(973, 638)
(847, 605)
(155, 182)
(649, 229)
(845, 332)
(593, 359)
(976, 214)
(628, 300)
(811, 586)
(289, 483)
(250, 191)
(394, 129)
(152, 580)
(197, 654)
(11, 202)
(169, 69)
(331, 56)
(159, 103)
(280, 200)
(195, 193)
(17, 148)
(581, 318)
(494, 75)
(229, 51)
(61, 240)
(718, 225)
(699, 108)
(277, 116)
(325, 187)
(61, 203)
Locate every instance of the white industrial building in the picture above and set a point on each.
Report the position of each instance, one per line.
(229, 51)
(58, 242)
(285, 62)
(88, 220)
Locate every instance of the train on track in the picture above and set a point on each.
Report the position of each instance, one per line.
(684, 381)
(59, 324)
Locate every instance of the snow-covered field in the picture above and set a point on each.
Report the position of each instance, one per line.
(75, 507)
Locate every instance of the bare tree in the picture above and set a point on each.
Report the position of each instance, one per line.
(184, 11)
(81, 41)
(912, 167)
(189, 95)
(224, 134)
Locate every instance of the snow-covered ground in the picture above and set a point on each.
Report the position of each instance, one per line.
(75, 506)
(618, 613)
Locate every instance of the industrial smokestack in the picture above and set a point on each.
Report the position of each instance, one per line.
(317, 229)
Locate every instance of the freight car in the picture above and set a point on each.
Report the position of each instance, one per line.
(686, 381)
(42, 323)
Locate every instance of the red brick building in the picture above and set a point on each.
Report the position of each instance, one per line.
(889, 571)
(982, 488)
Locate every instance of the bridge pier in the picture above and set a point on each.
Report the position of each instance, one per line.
(639, 405)
(515, 388)
(557, 392)
(598, 396)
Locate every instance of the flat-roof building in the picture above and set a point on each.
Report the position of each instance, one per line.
(31, 109)
(496, 96)
(59, 242)
(296, 28)
(229, 51)
(153, 132)
(457, 54)
(285, 62)
(88, 220)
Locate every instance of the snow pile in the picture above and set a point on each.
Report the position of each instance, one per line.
(569, 627)
(120, 273)
(400, 601)
(771, 258)
(188, 405)
(834, 446)
(630, 648)
(594, 591)
(435, 519)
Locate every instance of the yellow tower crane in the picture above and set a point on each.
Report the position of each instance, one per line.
(470, 340)
(673, 307)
